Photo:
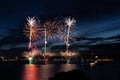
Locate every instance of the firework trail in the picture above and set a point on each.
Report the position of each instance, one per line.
(32, 31)
(69, 23)
(45, 32)
(51, 29)
(63, 34)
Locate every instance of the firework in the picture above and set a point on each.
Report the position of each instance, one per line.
(69, 55)
(31, 21)
(63, 34)
(51, 30)
(32, 30)
(69, 22)
(73, 54)
(32, 53)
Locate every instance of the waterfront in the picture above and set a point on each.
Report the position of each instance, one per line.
(100, 71)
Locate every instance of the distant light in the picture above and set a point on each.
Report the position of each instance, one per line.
(96, 56)
(92, 64)
(96, 61)
(45, 42)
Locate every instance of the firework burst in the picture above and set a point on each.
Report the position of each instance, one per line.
(51, 30)
(31, 21)
(32, 53)
(63, 34)
(29, 55)
(69, 23)
(73, 54)
(68, 32)
(32, 31)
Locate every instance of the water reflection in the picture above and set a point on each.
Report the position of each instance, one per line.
(47, 71)
(30, 72)
(101, 71)
(44, 72)
(67, 67)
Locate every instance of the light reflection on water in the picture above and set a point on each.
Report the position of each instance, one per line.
(67, 67)
(30, 72)
(44, 72)
(47, 71)
(101, 71)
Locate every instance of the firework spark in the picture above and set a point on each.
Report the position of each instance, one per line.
(63, 34)
(73, 54)
(32, 53)
(32, 31)
(31, 21)
(69, 23)
(51, 30)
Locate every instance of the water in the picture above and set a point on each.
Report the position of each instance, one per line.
(101, 71)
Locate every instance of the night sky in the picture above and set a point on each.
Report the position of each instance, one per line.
(95, 19)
